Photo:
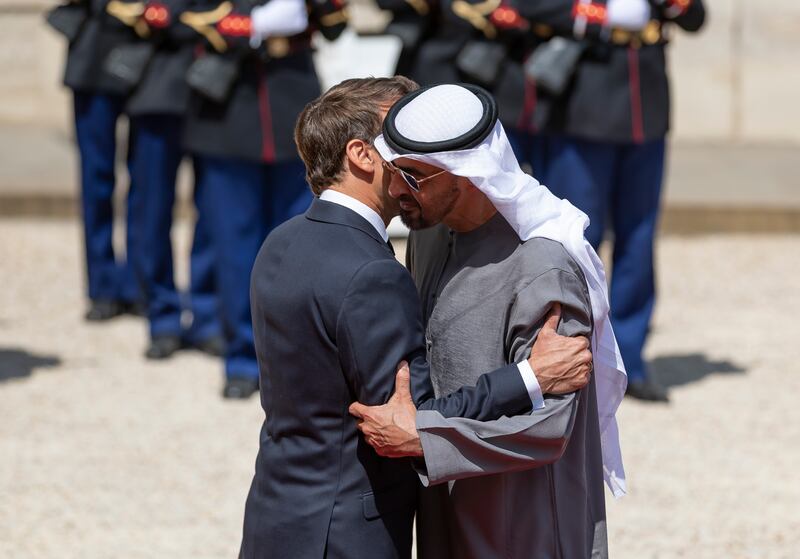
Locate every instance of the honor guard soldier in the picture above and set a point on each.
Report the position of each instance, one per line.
(252, 78)
(602, 147)
(583, 93)
(99, 99)
(156, 66)
(485, 42)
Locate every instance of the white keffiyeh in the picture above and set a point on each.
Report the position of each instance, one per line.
(447, 111)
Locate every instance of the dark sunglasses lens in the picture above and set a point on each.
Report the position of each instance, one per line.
(412, 182)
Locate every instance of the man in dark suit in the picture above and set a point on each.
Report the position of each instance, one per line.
(333, 315)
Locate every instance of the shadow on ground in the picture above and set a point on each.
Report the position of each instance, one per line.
(18, 363)
(676, 370)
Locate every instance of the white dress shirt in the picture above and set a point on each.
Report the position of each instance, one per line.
(360, 208)
(336, 197)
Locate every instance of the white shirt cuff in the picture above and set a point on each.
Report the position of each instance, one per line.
(534, 390)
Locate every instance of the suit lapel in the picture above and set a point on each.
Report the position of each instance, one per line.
(328, 212)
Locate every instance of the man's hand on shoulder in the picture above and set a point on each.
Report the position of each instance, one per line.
(561, 364)
(391, 428)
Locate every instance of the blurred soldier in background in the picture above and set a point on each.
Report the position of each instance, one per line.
(99, 99)
(157, 65)
(254, 76)
(481, 42)
(583, 92)
(603, 147)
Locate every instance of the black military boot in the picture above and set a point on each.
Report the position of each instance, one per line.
(162, 347)
(136, 308)
(103, 309)
(239, 388)
(647, 390)
(214, 346)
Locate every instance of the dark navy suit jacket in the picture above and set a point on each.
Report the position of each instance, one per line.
(333, 314)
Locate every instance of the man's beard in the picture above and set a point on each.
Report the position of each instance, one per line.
(416, 219)
(415, 222)
(434, 211)
(419, 219)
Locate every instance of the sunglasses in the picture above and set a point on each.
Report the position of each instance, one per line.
(413, 182)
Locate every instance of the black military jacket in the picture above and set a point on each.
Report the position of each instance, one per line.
(256, 122)
(87, 53)
(163, 89)
(619, 91)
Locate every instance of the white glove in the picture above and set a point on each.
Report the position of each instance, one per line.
(632, 15)
(278, 18)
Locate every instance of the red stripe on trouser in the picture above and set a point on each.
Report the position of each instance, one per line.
(267, 135)
(637, 128)
(528, 108)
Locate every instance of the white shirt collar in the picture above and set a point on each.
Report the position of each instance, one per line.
(360, 208)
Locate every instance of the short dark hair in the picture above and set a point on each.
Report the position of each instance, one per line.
(348, 111)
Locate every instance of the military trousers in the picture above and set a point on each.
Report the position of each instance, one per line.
(155, 156)
(242, 201)
(109, 275)
(618, 185)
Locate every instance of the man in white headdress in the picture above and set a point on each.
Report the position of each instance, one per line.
(506, 250)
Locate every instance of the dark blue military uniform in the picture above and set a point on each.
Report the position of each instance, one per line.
(251, 177)
(157, 107)
(603, 149)
(98, 102)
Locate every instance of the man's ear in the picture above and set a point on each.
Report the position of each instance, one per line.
(360, 156)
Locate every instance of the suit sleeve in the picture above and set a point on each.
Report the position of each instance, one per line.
(379, 325)
(456, 448)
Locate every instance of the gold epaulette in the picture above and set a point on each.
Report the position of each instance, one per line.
(204, 23)
(334, 18)
(130, 13)
(420, 6)
(477, 15)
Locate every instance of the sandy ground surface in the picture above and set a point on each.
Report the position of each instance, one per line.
(103, 454)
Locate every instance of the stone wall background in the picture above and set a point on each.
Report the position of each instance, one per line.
(737, 81)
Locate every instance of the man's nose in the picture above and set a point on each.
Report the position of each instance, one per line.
(397, 186)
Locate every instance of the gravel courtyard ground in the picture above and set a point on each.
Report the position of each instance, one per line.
(103, 454)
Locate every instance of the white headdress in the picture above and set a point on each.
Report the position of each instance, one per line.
(455, 127)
